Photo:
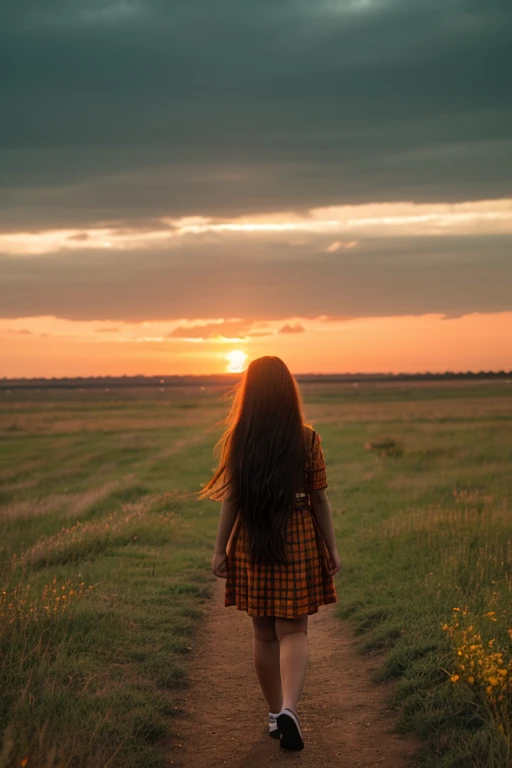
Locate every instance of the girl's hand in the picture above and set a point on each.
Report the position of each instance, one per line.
(335, 563)
(219, 565)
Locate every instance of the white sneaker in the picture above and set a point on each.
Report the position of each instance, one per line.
(273, 728)
(291, 735)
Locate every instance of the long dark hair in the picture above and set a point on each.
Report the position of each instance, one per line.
(262, 456)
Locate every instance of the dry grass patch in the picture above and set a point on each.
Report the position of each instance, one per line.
(89, 539)
(68, 505)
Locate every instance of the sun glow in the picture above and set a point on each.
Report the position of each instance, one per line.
(236, 361)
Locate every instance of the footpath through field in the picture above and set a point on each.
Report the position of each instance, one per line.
(345, 718)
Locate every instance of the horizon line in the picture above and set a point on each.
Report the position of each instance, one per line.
(227, 375)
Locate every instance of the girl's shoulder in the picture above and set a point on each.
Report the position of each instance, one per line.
(310, 435)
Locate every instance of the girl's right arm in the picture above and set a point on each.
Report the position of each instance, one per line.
(228, 513)
(323, 514)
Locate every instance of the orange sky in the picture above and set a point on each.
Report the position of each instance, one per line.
(47, 346)
(375, 287)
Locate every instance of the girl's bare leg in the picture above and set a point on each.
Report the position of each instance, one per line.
(266, 660)
(293, 647)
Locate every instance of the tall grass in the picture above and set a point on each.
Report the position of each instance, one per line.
(429, 581)
(101, 591)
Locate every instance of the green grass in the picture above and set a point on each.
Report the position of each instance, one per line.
(422, 533)
(99, 683)
(97, 488)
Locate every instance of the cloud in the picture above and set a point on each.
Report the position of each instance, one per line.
(264, 280)
(295, 328)
(332, 158)
(144, 112)
(338, 245)
(220, 329)
(399, 219)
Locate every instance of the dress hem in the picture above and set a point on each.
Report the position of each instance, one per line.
(282, 615)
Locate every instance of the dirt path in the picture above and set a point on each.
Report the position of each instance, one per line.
(345, 719)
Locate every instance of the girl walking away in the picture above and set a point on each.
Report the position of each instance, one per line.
(275, 544)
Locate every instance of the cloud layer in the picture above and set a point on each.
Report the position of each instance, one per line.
(254, 279)
(129, 110)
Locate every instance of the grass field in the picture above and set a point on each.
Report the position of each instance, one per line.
(105, 553)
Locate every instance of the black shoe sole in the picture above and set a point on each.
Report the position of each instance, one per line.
(275, 734)
(290, 734)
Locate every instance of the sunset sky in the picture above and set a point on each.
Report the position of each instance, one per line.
(329, 181)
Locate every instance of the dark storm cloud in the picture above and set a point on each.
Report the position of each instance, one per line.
(381, 277)
(125, 109)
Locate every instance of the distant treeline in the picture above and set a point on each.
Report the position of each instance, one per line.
(226, 379)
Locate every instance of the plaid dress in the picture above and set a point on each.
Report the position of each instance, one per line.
(303, 584)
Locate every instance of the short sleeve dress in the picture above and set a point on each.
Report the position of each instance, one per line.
(303, 584)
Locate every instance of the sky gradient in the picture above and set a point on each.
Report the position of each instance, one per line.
(328, 181)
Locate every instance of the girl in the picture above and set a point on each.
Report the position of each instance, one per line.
(275, 544)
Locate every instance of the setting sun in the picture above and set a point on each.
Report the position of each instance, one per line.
(236, 361)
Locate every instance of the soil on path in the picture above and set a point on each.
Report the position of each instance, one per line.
(345, 717)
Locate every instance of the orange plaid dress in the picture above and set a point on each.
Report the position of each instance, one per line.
(303, 584)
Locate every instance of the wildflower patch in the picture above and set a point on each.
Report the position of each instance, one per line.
(484, 662)
(22, 604)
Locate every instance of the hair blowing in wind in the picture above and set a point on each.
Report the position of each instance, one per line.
(262, 456)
